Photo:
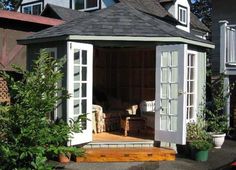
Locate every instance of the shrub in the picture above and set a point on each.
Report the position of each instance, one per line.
(26, 131)
(202, 145)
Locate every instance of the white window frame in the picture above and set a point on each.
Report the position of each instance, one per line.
(31, 6)
(85, 6)
(195, 94)
(181, 17)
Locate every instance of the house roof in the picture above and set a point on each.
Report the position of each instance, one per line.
(197, 24)
(152, 7)
(10, 15)
(59, 12)
(119, 20)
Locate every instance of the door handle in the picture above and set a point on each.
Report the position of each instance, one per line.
(180, 92)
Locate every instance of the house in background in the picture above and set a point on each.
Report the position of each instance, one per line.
(224, 56)
(134, 50)
(171, 10)
(15, 26)
(35, 7)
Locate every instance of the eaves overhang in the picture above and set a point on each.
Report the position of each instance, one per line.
(119, 38)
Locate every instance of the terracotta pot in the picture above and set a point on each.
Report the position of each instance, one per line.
(218, 140)
(63, 158)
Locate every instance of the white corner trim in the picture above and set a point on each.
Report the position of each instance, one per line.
(146, 39)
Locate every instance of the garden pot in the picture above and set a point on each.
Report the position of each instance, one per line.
(63, 158)
(199, 155)
(218, 140)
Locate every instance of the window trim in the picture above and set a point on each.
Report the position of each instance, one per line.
(31, 4)
(72, 4)
(195, 79)
(180, 7)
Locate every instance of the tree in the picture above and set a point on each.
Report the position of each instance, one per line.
(202, 9)
(11, 5)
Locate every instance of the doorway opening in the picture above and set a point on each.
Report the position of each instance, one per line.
(122, 79)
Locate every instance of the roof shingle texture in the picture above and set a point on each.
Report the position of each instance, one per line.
(65, 14)
(119, 20)
(197, 24)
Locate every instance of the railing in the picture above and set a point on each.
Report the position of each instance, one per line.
(227, 46)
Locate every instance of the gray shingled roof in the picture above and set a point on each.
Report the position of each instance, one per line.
(120, 19)
(65, 14)
(197, 24)
(152, 7)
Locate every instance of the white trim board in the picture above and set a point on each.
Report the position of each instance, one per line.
(146, 39)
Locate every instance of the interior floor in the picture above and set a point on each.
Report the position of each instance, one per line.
(119, 137)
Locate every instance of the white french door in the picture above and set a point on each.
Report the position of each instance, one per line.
(170, 117)
(79, 86)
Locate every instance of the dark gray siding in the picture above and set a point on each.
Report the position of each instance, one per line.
(33, 53)
(222, 10)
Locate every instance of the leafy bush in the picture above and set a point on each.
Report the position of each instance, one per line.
(202, 145)
(217, 119)
(196, 131)
(27, 133)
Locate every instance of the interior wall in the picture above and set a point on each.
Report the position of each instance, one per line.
(127, 74)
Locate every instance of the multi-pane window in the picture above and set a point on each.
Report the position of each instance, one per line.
(169, 91)
(191, 83)
(34, 9)
(182, 15)
(80, 84)
(86, 4)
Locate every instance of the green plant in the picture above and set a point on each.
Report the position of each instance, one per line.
(217, 118)
(78, 152)
(26, 132)
(201, 145)
(196, 131)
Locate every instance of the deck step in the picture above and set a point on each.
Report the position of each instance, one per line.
(121, 144)
(128, 155)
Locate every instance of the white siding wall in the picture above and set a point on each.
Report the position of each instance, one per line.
(201, 80)
(173, 9)
(107, 3)
(66, 3)
(63, 3)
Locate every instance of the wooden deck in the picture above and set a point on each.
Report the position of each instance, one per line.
(127, 155)
(119, 137)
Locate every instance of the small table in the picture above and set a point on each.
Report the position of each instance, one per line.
(132, 123)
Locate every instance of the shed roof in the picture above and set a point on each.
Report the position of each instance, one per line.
(120, 20)
(59, 12)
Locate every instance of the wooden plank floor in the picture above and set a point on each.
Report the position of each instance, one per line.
(119, 137)
(127, 155)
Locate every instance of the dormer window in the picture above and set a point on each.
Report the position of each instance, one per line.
(182, 14)
(86, 5)
(32, 8)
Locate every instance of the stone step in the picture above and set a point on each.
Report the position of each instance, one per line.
(120, 144)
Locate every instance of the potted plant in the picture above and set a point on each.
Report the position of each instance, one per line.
(77, 154)
(64, 153)
(199, 149)
(195, 131)
(217, 127)
(217, 119)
